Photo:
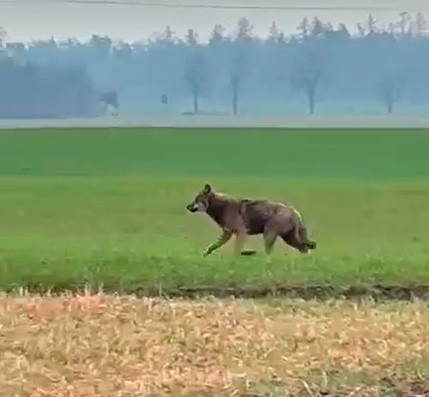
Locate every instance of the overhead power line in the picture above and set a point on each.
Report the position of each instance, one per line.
(218, 6)
(211, 6)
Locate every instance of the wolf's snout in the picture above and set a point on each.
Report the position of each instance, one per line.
(192, 208)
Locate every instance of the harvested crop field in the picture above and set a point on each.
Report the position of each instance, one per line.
(100, 345)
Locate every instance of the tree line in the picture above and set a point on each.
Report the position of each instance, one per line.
(318, 66)
(29, 91)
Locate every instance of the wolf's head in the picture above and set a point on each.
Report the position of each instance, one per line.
(201, 200)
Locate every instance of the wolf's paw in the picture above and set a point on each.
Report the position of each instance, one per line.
(312, 245)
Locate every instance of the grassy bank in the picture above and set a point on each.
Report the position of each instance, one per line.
(108, 207)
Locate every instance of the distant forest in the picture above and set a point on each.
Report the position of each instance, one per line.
(321, 68)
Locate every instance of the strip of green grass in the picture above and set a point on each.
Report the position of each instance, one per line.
(136, 232)
(122, 222)
(253, 153)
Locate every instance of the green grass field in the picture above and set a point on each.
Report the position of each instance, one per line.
(107, 207)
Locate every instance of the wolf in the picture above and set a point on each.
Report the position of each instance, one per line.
(248, 217)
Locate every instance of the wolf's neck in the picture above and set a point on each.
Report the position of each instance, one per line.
(217, 207)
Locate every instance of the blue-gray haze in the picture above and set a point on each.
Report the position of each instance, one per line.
(321, 68)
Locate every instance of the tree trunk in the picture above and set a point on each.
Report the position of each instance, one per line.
(196, 104)
(311, 103)
(235, 103)
(389, 105)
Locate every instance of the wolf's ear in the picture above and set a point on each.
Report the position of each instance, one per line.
(207, 188)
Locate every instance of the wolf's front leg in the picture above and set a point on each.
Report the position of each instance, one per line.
(240, 240)
(222, 240)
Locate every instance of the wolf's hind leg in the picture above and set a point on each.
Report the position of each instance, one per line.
(302, 232)
(222, 240)
(294, 241)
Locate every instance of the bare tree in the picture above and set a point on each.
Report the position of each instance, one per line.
(239, 48)
(307, 77)
(390, 91)
(235, 86)
(237, 72)
(195, 78)
(195, 68)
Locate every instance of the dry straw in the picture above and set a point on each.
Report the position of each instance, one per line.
(97, 345)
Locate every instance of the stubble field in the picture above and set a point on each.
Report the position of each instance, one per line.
(106, 209)
(122, 346)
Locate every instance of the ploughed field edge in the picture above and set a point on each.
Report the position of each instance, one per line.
(304, 292)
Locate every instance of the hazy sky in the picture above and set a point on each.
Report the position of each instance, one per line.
(25, 20)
